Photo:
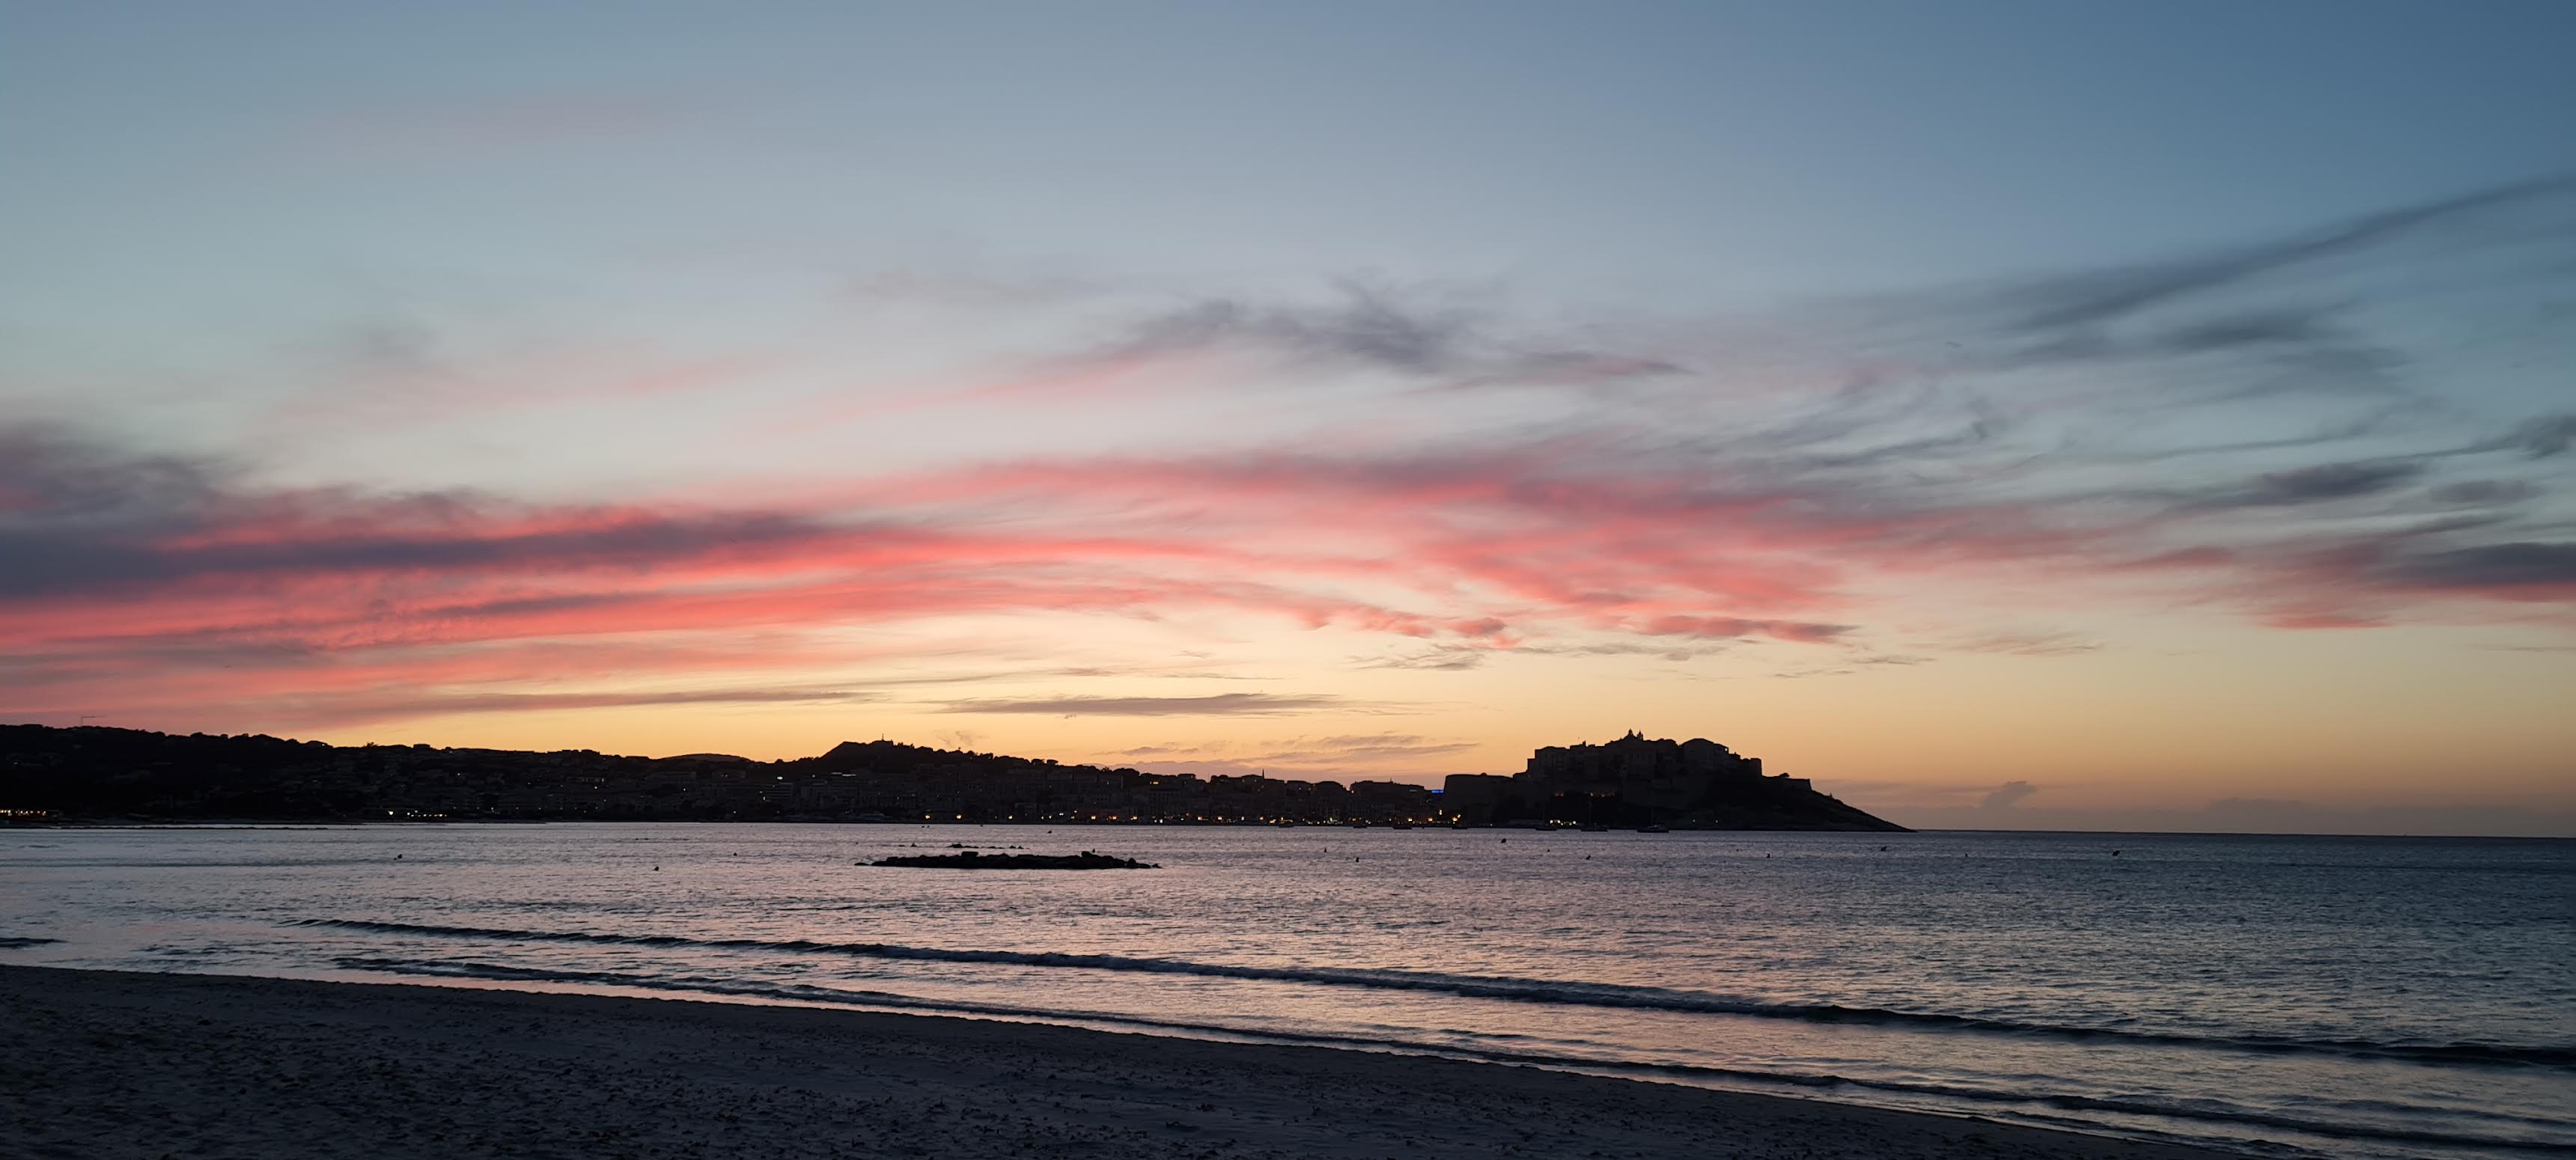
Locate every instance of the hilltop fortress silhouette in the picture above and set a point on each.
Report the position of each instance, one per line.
(1635, 781)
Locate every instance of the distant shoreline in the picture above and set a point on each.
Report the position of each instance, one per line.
(124, 1064)
(100, 772)
(427, 823)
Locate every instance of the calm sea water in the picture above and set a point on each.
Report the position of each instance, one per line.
(2338, 996)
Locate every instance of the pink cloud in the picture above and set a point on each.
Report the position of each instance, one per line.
(170, 582)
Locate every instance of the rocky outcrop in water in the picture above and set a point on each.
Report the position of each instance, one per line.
(978, 860)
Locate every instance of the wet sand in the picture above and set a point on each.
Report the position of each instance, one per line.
(100, 1065)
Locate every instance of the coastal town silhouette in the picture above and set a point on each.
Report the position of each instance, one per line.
(97, 773)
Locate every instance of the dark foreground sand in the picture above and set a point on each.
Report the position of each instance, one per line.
(97, 1064)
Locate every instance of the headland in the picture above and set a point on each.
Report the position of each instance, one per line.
(99, 774)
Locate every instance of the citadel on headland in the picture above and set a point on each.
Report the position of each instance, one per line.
(93, 773)
(1635, 781)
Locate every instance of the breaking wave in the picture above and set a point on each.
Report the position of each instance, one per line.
(1605, 995)
(797, 993)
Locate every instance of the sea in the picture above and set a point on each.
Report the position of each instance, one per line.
(2277, 996)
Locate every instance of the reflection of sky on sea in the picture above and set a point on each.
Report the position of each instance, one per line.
(2099, 982)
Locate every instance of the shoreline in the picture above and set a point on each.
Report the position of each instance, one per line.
(60, 824)
(132, 1064)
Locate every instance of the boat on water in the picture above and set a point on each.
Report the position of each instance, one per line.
(1654, 828)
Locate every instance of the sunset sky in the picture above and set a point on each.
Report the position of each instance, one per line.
(2006, 414)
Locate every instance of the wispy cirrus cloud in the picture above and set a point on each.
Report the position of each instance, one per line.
(372, 706)
(2027, 644)
(2008, 795)
(1393, 755)
(2319, 483)
(2520, 570)
(1211, 705)
(1369, 327)
(2095, 298)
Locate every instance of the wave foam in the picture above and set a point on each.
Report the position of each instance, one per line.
(1605, 995)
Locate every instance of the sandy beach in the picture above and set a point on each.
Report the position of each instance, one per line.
(97, 1064)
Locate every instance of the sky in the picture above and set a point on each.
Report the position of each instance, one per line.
(2008, 415)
